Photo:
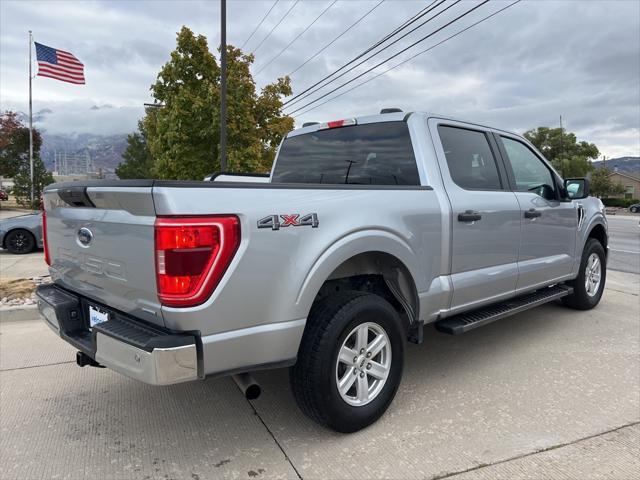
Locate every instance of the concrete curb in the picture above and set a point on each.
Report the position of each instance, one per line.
(15, 314)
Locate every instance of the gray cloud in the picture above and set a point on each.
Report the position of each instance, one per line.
(519, 70)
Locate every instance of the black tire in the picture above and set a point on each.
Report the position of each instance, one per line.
(20, 241)
(314, 377)
(634, 209)
(580, 299)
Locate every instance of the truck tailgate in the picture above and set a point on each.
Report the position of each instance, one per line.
(101, 244)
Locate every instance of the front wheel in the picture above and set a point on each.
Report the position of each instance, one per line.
(589, 285)
(634, 209)
(350, 361)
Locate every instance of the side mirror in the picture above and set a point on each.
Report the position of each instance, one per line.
(576, 188)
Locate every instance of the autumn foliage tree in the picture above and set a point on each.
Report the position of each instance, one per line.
(182, 134)
(14, 159)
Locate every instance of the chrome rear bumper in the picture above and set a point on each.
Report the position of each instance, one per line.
(147, 353)
(160, 366)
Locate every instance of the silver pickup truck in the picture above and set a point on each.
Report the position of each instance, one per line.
(367, 230)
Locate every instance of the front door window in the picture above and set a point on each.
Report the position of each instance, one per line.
(531, 174)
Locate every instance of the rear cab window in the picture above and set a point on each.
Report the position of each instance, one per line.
(369, 154)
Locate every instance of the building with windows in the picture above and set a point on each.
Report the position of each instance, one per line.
(630, 182)
(78, 163)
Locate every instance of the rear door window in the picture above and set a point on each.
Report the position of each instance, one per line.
(370, 154)
(470, 159)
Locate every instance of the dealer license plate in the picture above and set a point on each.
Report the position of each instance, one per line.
(96, 316)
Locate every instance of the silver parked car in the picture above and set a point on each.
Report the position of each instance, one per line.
(21, 234)
(367, 230)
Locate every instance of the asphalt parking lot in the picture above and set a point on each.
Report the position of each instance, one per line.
(624, 243)
(550, 393)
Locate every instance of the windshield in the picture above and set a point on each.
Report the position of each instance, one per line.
(375, 154)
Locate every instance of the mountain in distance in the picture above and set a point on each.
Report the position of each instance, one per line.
(105, 150)
(623, 164)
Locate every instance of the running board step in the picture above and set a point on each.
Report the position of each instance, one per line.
(469, 320)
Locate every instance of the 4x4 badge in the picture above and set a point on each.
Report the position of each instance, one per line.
(275, 222)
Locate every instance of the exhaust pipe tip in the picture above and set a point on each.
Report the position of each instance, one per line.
(253, 391)
(248, 385)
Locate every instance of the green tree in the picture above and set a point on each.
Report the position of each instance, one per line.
(602, 186)
(183, 135)
(22, 183)
(137, 158)
(570, 157)
(14, 160)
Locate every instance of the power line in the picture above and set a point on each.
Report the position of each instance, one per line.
(307, 92)
(386, 37)
(335, 39)
(275, 26)
(259, 24)
(412, 57)
(296, 37)
(417, 16)
(391, 57)
(311, 90)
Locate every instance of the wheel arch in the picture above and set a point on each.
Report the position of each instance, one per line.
(599, 232)
(379, 262)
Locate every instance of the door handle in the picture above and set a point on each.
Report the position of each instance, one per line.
(532, 213)
(469, 216)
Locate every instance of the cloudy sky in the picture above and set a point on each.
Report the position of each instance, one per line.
(520, 69)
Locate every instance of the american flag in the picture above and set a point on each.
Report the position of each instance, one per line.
(58, 64)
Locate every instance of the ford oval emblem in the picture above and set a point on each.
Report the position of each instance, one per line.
(85, 236)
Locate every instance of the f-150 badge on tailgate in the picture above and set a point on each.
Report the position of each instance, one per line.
(275, 222)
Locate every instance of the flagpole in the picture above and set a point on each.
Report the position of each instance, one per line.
(30, 121)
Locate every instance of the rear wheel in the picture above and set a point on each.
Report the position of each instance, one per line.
(20, 242)
(634, 209)
(589, 285)
(350, 361)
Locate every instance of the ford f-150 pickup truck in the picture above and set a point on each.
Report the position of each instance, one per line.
(366, 230)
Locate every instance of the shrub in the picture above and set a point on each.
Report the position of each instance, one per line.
(619, 202)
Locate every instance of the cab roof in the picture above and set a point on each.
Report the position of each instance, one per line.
(388, 117)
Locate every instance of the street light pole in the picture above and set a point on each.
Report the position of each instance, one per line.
(223, 85)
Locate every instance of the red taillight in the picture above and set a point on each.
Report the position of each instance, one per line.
(338, 123)
(47, 258)
(192, 254)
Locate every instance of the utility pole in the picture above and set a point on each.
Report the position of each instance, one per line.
(223, 85)
(561, 148)
(30, 122)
